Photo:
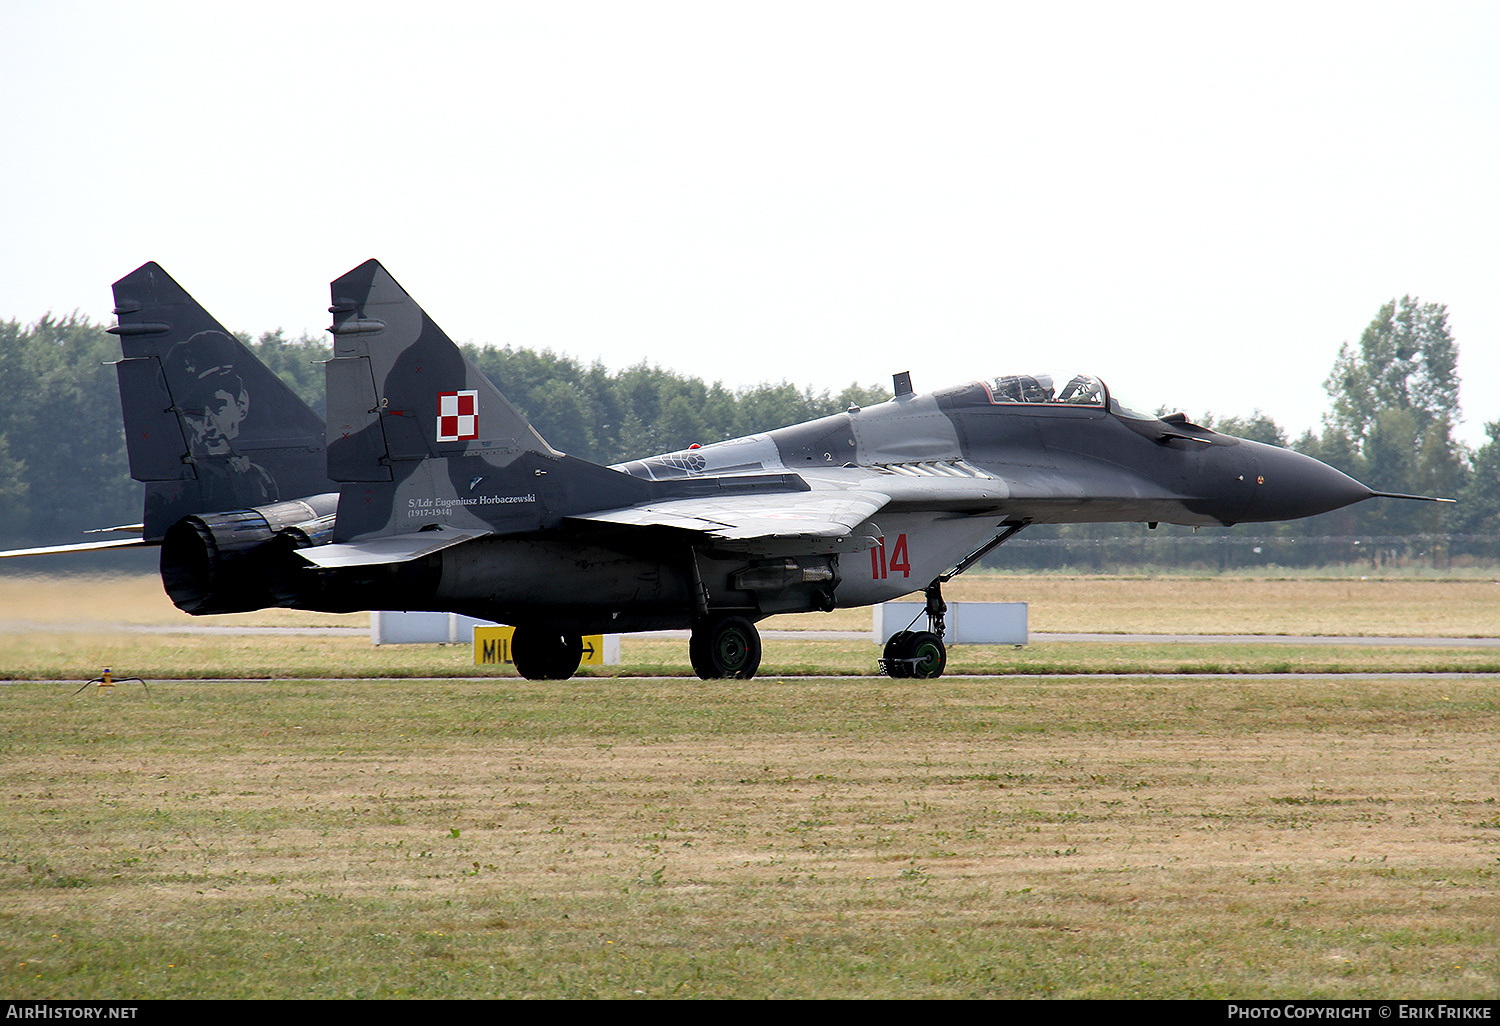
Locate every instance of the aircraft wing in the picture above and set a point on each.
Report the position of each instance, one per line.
(833, 508)
(820, 515)
(829, 516)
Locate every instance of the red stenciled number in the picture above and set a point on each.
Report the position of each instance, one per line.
(900, 559)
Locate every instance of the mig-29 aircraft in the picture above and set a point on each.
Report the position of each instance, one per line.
(428, 490)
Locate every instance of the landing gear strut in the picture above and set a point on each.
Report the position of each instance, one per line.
(920, 654)
(541, 653)
(725, 646)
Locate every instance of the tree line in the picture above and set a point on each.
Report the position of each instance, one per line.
(64, 469)
(1394, 402)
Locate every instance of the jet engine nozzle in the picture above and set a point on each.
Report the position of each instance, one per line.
(241, 560)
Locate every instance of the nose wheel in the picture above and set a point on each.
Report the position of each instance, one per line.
(919, 654)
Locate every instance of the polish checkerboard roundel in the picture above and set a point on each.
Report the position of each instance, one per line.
(458, 416)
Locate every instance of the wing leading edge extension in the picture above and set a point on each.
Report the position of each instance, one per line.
(820, 516)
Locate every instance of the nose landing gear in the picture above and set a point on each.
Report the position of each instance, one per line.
(920, 654)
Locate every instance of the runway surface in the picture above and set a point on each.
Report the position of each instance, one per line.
(26, 626)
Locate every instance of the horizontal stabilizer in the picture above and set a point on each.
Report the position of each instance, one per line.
(396, 548)
(50, 550)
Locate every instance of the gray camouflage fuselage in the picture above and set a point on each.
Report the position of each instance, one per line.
(427, 490)
(955, 468)
(439, 495)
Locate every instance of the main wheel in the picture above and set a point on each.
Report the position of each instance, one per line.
(541, 653)
(725, 647)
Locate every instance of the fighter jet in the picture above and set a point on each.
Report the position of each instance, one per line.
(428, 490)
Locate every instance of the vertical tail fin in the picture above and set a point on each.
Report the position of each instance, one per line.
(400, 391)
(421, 439)
(208, 427)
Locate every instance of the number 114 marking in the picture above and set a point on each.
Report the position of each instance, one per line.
(899, 561)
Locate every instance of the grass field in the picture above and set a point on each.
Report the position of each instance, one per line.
(635, 836)
(1025, 837)
(70, 628)
(1468, 607)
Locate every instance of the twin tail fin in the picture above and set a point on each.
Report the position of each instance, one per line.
(208, 427)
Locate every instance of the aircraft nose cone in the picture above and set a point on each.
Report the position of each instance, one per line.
(1290, 486)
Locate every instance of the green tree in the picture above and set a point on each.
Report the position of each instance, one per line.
(1478, 509)
(862, 395)
(564, 415)
(681, 423)
(15, 490)
(1395, 402)
(297, 361)
(1406, 360)
(1258, 427)
(65, 459)
(63, 467)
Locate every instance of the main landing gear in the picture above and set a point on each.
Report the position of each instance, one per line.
(721, 646)
(542, 653)
(725, 646)
(920, 654)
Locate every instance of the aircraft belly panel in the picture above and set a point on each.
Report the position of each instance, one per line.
(515, 572)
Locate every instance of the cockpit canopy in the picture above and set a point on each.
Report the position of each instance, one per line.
(1080, 390)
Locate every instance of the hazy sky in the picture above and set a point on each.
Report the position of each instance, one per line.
(1197, 202)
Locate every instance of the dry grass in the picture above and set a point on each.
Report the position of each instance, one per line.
(616, 838)
(630, 836)
(1206, 605)
(43, 643)
(1219, 605)
(64, 656)
(129, 599)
